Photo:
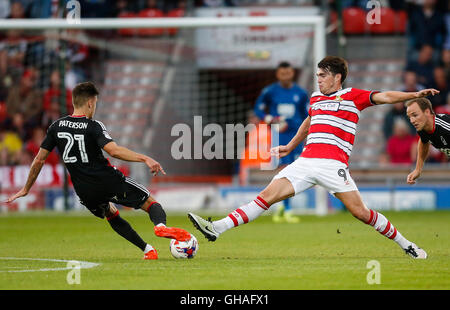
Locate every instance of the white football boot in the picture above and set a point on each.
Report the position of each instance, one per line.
(204, 226)
(415, 252)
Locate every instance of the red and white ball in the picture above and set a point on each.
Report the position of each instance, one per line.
(184, 249)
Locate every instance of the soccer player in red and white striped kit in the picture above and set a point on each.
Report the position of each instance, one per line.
(330, 131)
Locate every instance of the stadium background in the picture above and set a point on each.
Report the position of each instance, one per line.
(152, 79)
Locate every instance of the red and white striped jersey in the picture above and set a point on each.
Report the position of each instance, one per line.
(334, 119)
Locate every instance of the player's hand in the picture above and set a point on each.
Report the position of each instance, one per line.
(427, 92)
(280, 151)
(154, 166)
(19, 194)
(411, 178)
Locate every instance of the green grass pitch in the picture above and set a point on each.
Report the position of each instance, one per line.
(330, 252)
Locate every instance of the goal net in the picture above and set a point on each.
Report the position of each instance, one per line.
(168, 86)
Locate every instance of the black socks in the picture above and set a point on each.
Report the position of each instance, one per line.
(124, 229)
(157, 214)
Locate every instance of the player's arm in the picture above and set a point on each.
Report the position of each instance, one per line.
(302, 132)
(35, 169)
(261, 104)
(399, 96)
(422, 154)
(126, 154)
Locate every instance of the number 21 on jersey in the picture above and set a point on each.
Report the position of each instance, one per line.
(70, 141)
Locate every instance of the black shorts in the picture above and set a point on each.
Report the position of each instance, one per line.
(126, 192)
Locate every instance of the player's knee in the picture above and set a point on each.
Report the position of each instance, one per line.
(110, 210)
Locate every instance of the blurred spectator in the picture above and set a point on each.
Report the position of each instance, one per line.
(170, 5)
(6, 81)
(10, 147)
(446, 63)
(77, 55)
(447, 25)
(16, 123)
(122, 7)
(96, 8)
(71, 78)
(218, 3)
(180, 11)
(17, 10)
(441, 84)
(152, 11)
(401, 146)
(397, 4)
(444, 109)
(47, 9)
(25, 98)
(428, 27)
(423, 66)
(12, 52)
(51, 115)
(398, 111)
(410, 83)
(53, 93)
(33, 145)
(5, 8)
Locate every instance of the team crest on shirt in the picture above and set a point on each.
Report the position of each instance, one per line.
(338, 98)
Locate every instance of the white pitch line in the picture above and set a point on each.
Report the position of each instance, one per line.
(83, 265)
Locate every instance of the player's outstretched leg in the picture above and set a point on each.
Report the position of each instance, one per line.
(277, 190)
(158, 217)
(353, 202)
(124, 229)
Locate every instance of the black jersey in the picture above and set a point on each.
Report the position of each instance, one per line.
(80, 141)
(440, 136)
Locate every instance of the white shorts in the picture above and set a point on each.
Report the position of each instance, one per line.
(331, 174)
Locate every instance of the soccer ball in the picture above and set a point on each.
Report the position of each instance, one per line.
(184, 249)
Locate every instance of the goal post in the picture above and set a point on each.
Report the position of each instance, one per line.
(318, 23)
(162, 66)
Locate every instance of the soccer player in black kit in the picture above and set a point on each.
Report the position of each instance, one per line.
(80, 140)
(432, 129)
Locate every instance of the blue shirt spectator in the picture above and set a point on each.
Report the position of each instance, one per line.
(427, 26)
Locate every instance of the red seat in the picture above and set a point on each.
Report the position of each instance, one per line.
(354, 21)
(387, 22)
(151, 13)
(3, 112)
(401, 22)
(128, 32)
(175, 13)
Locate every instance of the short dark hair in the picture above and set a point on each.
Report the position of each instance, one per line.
(82, 93)
(423, 103)
(335, 65)
(284, 64)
